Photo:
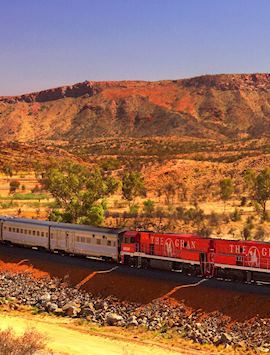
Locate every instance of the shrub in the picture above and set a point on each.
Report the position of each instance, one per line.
(13, 186)
(260, 233)
(265, 216)
(250, 221)
(180, 212)
(110, 164)
(119, 204)
(134, 209)
(148, 207)
(246, 233)
(236, 215)
(205, 231)
(232, 231)
(28, 343)
(243, 201)
(215, 219)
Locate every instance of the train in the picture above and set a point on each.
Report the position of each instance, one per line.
(247, 261)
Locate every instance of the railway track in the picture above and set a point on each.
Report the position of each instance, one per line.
(143, 286)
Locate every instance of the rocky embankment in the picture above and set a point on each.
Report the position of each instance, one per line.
(55, 296)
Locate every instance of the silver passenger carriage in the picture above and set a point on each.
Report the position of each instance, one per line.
(70, 238)
(27, 232)
(85, 240)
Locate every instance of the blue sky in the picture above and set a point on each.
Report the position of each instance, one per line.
(47, 43)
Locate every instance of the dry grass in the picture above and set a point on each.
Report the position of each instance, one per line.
(28, 343)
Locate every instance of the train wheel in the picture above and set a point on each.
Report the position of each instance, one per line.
(145, 264)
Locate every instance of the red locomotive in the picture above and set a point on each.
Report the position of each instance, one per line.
(187, 253)
(190, 253)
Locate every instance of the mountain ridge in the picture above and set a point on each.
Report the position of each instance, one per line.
(88, 85)
(221, 106)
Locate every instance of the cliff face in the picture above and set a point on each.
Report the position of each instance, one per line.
(211, 106)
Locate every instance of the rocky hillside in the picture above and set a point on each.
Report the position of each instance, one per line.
(215, 107)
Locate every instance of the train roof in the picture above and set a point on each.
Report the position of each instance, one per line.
(70, 226)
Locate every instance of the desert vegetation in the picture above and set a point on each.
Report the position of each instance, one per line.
(113, 192)
(29, 343)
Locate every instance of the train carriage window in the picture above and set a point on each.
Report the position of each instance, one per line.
(77, 239)
(38, 233)
(9, 229)
(46, 235)
(14, 230)
(17, 230)
(104, 237)
(88, 240)
(21, 231)
(109, 243)
(25, 231)
(29, 232)
(83, 239)
(93, 235)
(42, 234)
(98, 241)
(5, 227)
(114, 244)
(34, 232)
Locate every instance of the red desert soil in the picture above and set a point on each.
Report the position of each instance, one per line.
(21, 268)
(238, 306)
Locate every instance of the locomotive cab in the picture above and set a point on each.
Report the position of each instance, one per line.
(129, 246)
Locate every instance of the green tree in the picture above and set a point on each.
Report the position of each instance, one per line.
(13, 186)
(226, 190)
(79, 193)
(262, 189)
(110, 164)
(134, 209)
(148, 207)
(132, 186)
(259, 187)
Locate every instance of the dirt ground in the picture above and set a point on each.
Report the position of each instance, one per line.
(66, 337)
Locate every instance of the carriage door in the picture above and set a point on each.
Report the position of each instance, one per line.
(69, 237)
(203, 263)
